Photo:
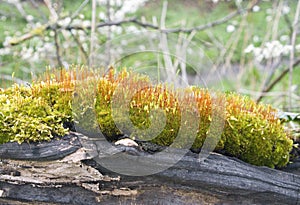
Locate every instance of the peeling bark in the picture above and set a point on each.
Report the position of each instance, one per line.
(80, 178)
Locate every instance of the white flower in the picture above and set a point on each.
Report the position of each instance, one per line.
(77, 22)
(131, 29)
(102, 16)
(269, 50)
(26, 53)
(29, 18)
(64, 22)
(7, 41)
(52, 33)
(230, 28)
(124, 42)
(86, 23)
(256, 39)
(297, 47)
(142, 47)
(116, 29)
(255, 8)
(35, 57)
(284, 38)
(257, 52)
(286, 50)
(249, 48)
(286, 9)
(85, 46)
(81, 16)
(38, 24)
(4, 51)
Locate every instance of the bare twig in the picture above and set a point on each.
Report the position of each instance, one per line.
(27, 36)
(93, 36)
(54, 16)
(171, 30)
(214, 23)
(82, 5)
(108, 41)
(85, 54)
(292, 55)
(235, 40)
(276, 20)
(275, 81)
(170, 70)
(57, 49)
(273, 63)
(53, 24)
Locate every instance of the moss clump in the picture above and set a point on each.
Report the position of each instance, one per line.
(252, 132)
(156, 113)
(27, 116)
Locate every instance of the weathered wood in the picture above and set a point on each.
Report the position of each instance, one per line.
(57, 148)
(218, 179)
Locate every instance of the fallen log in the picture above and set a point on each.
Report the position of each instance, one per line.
(57, 148)
(88, 176)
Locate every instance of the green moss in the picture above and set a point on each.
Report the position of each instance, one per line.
(252, 132)
(26, 117)
(159, 114)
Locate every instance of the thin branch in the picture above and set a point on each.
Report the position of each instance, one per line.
(82, 5)
(272, 64)
(93, 36)
(52, 25)
(86, 56)
(275, 81)
(108, 41)
(214, 23)
(27, 36)
(57, 49)
(170, 69)
(53, 15)
(171, 30)
(292, 55)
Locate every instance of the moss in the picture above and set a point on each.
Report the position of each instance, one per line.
(159, 114)
(252, 132)
(26, 117)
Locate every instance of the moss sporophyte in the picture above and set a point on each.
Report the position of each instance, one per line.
(252, 132)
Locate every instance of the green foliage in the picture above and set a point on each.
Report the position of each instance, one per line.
(252, 132)
(27, 116)
(254, 135)
(160, 114)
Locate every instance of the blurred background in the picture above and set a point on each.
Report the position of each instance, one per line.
(251, 47)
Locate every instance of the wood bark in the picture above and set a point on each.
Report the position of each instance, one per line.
(83, 178)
